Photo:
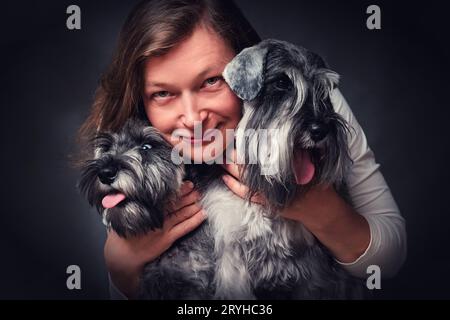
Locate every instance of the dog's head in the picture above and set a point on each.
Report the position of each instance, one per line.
(288, 116)
(131, 178)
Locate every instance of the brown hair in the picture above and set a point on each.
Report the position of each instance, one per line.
(151, 29)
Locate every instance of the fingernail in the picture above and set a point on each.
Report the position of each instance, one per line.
(190, 184)
(225, 178)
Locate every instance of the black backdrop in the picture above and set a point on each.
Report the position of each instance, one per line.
(395, 79)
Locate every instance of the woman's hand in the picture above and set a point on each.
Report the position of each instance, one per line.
(126, 258)
(322, 211)
(233, 182)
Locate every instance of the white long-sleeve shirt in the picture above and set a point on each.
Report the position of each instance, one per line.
(372, 199)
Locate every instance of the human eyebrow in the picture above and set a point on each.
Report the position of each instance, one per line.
(213, 69)
(208, 70)
(157, 84)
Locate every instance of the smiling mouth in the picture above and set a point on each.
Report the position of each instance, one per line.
(196, 141)
(207, 137)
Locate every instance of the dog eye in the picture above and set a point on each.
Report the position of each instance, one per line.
(283, 83)
(103, 146)
(102, 141)
(146, 147)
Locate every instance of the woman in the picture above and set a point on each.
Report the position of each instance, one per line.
(168, 67)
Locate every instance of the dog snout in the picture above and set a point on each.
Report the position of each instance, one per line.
(108, 174)
(318, 131)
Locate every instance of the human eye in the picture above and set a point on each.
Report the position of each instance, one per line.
(161, 95)
(213, 81)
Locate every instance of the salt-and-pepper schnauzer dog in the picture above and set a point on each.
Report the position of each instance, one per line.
(243, 250)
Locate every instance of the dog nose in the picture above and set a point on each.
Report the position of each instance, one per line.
(107, 175)
(318, 131)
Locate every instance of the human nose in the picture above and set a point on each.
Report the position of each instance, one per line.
(192, 113)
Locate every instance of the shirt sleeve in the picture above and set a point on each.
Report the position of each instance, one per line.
(372, 199)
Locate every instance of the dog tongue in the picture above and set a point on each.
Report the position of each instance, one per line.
(303, 167)
(111, 200)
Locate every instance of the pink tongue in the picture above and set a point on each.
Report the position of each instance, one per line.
(303, 167)
(111, 200)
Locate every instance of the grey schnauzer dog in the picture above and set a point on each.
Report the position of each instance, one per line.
(132, 181)
(243, 250)
(287, 88)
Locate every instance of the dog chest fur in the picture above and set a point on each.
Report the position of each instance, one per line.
(239, 229)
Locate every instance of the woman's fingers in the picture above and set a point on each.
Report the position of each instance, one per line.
(231, 165)
(233, 183)
(187, 196)
(232, 169)
(241, 189)
(187, 200)
(185, 213)
(186, 187)
(185, 207)
(187, 225)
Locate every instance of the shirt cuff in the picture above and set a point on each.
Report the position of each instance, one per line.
(358, 268)
(386, 249)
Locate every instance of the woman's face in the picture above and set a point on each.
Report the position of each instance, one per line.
(184, 89)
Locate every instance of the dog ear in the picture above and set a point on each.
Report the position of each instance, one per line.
(244, 74)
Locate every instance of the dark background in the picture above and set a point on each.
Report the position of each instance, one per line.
(395, 80)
